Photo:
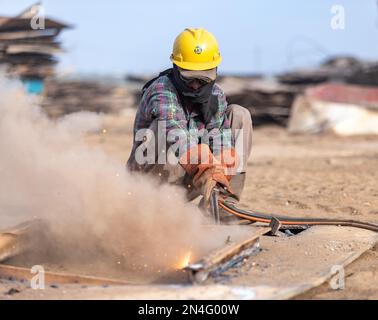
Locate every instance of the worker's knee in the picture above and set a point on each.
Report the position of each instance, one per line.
(241, 126)
(240, 117)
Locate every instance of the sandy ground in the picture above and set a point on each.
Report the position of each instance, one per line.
(301, 175)
(312, 176)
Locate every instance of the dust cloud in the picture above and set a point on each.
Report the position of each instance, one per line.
(93, 209)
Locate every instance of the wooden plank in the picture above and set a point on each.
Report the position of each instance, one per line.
(28, 34)
(30, 48)
(24, 24)
(9, 246)
(24, 274)
(12, 239)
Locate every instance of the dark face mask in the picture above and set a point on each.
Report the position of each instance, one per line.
(202, 98)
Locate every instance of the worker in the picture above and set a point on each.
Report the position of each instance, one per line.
(185, 132)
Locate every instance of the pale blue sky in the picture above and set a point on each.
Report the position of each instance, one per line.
(116, 37)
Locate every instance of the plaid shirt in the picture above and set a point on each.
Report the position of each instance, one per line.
(161, 102)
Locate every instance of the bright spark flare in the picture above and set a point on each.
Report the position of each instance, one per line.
(184, 261)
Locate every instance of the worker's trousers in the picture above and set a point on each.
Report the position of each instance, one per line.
(241, 129)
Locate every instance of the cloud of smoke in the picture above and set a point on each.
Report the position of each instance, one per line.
(95, 209)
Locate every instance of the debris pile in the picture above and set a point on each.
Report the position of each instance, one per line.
(27, 52)
(337, 69)
(270, 101)
(67, 96)
(267, 100)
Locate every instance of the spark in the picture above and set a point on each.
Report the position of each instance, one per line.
(184, 261)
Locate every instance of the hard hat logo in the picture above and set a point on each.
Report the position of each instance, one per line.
(198, 50)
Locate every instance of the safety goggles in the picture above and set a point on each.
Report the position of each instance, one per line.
(189, 81)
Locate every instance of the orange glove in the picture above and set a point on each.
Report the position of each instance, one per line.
(197, 159)
(229, 160)
(208, 179)
(205, 170)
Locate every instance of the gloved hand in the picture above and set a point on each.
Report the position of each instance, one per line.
(229, 160)
(205, 170)
(206, 180)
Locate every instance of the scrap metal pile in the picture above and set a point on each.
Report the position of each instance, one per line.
(270, 101)
(338, 69)
(267, 100)
(68, 96)
(28, 52)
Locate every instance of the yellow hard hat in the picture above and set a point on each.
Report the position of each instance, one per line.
(196, 49)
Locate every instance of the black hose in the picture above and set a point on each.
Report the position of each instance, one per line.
(284, 220)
